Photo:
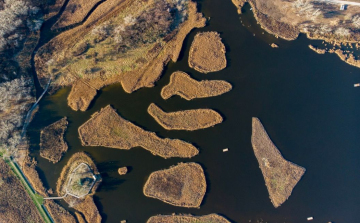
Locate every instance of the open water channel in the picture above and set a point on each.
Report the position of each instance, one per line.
(306, 102)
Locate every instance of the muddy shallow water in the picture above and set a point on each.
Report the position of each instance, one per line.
(306, 102)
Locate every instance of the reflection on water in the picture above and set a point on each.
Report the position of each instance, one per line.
(306, 102)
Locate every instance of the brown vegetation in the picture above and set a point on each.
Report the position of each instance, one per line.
(58, 213)
(317, 50)
(52, 143)
(183, 85)
(15, 204)
(189, 120)
(207, 53)
(109, 57)
(106, 128)
(122, 170)
(84, 205)
(182, 185)
(79, 218)
(281, 176)
(211, 218)
(319, 20)
(75, 12)
(80, 96)
(348, 58)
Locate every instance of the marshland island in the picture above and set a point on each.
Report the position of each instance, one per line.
(67, 147)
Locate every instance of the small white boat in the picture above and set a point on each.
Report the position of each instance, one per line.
(225, 150)
(357, 85)
(310, 218)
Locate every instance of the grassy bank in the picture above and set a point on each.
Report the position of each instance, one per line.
(36, 198)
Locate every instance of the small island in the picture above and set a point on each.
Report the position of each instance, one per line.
(123, 170)
(52, 143)
(207, 53)
(107, 128)
(211, 218)
(188, 88)
(189, 120)
(281, 176)
(77, 183)
(182, 185)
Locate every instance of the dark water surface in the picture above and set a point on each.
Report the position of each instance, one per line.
(306, 102)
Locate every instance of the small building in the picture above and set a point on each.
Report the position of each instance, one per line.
(342, 7)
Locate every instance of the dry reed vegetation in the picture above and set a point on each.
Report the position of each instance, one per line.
(52, 143)
(281, 176)
(122, 170)
(207, 53)
(189, 120)
(79, 218)
(58, 213)
(183, 85)
(84, 205)
(28, 166)
(80, 96)
(106, 128)
(15, 204)
(75, 12)
(319, 20)
(110, 56)
(211, 218)
(182, 185)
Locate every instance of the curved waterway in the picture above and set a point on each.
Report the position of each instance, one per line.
(306, 102)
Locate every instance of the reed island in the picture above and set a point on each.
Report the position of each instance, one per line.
(211, 218)
(188, 88)
(281, 176)
(52, 142)
(182, 185)
(189, 120)
(207, 53)
(107, 128)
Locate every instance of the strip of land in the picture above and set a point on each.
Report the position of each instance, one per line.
(281, 176)
(188, 88)
(182, 185)
(189, 120)
(211, 218)
(52, 143)
(18, 202)
(207, 53)
(107, 128)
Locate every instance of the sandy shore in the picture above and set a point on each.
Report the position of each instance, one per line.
(183, 85)
(207, 53)
(182, 185)
(211, 218)
(189, 120)
(281, 176)
(52, 142)
(106, 128)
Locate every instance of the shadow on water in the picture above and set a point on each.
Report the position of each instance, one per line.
(306, 102)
